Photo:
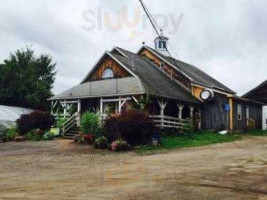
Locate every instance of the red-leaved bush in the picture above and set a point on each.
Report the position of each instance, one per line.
(35, 120)
(133, 126)
(88, 138)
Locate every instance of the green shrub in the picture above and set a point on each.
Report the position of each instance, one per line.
(60, 122)
(133, 126)
(34, 120)
(48, 136)
(142, 103)
(3, 137)
(11, 133)
(34, 135)
(55, 131)
(188, 129)
(90, 123)
(78, 138)
(101, 143)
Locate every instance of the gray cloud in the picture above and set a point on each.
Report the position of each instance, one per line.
(227, 39)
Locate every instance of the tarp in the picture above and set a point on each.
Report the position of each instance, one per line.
(9, 115)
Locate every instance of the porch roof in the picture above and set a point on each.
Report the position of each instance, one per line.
(103, 88)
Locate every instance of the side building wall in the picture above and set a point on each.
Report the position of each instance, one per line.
(255, 113)
(214, 115)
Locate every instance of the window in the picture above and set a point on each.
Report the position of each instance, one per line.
(162, 65)
(247, 112)
(164, 45)
(159, 44)
(239, 111)
(108, 73)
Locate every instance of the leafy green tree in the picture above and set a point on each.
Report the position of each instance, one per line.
(27, 80)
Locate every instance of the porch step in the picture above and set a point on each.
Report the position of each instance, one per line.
(72, 133)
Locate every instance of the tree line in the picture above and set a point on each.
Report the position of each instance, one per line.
(26, 80)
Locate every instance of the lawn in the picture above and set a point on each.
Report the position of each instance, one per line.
(256, 133)
(169, 142)
(199, 139)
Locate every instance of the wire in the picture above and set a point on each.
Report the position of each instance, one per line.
(173, 50)
(155, 25)
(150, 18)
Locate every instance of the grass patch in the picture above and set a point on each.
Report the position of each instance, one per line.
(256, 133)
(199, 139)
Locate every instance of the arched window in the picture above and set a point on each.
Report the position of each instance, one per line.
(108, 73)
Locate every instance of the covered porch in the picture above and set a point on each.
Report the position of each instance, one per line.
(165, 113)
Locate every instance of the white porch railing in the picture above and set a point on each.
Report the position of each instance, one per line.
(167, 122)
(159, 121)
(70, 123)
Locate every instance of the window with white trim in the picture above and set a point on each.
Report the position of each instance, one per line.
(108, 73)
(239, 111)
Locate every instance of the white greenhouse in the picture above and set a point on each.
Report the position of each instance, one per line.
(9, 115)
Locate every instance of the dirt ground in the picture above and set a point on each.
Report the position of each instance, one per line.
(63, 170)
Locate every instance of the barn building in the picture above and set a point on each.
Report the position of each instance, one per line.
(259, 94)
(177, 90)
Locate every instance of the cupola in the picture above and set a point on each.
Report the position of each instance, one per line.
(161, 44)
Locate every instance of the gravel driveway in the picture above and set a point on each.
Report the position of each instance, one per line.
(62, 170)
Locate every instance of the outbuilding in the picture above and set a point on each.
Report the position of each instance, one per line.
(259, 94)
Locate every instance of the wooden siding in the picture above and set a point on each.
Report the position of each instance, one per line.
(167, 68)
(196, 91)
(119, 71)
(214, 116)
(255, 113)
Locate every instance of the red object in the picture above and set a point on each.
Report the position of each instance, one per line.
(88, 138)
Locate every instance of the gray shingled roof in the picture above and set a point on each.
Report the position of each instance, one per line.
(197, 75)
(153, 79)
(102, 88)
(258, 93)
(149, 80)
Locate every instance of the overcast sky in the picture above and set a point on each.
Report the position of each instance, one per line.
(226, 39)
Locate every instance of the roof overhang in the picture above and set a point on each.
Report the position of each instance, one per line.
(172, 65)
(247, 100)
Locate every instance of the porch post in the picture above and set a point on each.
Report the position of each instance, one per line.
(162, 105)
(180, 110)
(52, 108)
(191, 111)
(120, 105)
(65, 109)
(101, 107)
(79, 108)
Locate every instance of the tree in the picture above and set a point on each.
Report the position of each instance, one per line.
(26, 80)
